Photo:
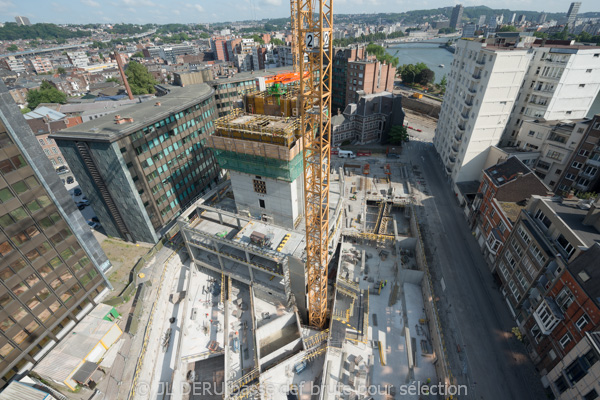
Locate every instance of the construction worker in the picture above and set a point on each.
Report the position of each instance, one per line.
(385, 284)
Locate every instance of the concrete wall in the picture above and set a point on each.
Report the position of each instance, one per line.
(423, 107)
(283, 200)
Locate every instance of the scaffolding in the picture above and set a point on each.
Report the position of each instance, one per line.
(282, 131)
(282, 102)
(257, 165)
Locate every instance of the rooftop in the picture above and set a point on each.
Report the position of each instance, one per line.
(244, 76)
(583, 272)
(504, 172)
(105, 129)
(573, 217)
(511, 209)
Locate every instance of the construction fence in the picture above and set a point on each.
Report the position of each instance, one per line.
(439, 345)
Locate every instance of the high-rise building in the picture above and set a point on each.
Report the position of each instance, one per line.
(51, 265)
(512, 18)
(522, 19)
(482, 87)
(561, 83)
(456, 18)
(497, 83)
(140, 169)
(22, 21)
(481, 21)
(469, 30)
(42, 65)
(542, 18)
(78, 59)
(572, 13)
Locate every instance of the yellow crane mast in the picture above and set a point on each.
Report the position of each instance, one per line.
(314, 33)
(294, 29)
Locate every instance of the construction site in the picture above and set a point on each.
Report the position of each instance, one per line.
(308, 277)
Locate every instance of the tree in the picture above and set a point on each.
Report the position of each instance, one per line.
(443, 84)
(46, 94)
(426, 76)
(12, 47)
(113, 79)
(61, 70)
(138, 54)
(398, 134)
(277, 42)
(140, 80)
(507, 28)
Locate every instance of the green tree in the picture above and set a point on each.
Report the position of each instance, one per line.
(25, 110)
(61, 70)
(398, 134)
(277, 42)
(140, 80)
(113, 79)
(508, 28)
(443, 84)
(12, 47)
(138, 54)
(426, 76)
(46, 94)
(204, 35)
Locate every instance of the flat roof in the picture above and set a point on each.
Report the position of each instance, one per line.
(105, 129)
(244, 76)
(573, 217)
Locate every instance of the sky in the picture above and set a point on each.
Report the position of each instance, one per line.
(206, 11)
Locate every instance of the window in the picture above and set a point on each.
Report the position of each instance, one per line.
(584, 153)
(537, 253)
(503, 269)
(536, 332)
(522, 280)
(555, 155)
(539, 215)
(42, 142)
(582, 322)
(570, 177)
(591, 395)
(517, 248)
(565, 298)
(524, 235)
(502, 227)
(261, 203)
(510, 259)
(575, 371)
(564, 341)
(260, 186)
(515, 292)
(565, 245)
(582, 85)
(576, 165)
(529, 266)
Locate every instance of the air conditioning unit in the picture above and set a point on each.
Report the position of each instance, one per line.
(295, 111)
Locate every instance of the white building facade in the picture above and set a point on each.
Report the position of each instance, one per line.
(482, 87)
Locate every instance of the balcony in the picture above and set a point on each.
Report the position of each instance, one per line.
(454, 149)
(472, 90)
(457, 139)
(549, 60)
(469, 102)
(581, 187)
(544, 90)
(480, 62)
(477, 75)
(550, 78)
(465, 115)
(461, 128)
(594, 163)
(451, 160)
(448, 170)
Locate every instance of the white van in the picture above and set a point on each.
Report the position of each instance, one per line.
(346, 154)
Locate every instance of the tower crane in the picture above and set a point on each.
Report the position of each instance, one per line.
(314, 19)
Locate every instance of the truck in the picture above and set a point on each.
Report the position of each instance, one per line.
(346, 154)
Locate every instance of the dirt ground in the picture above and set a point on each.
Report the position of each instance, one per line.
(123, 257)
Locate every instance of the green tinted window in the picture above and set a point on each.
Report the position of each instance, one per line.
(5, 195)
(20, 187)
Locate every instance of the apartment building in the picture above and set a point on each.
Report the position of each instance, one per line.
(14, 64)
(368, 77)
(556, 142)
(572, 13)
(577, 375)
(560, 318)
(548, 234)
(561, 83)
(78, 58)
(141, 168)
(581, 172)
(41, 65)
(341, 57)
(456, 18)
(503, 193)
(51, 265)
(483, 84)
(20, 20)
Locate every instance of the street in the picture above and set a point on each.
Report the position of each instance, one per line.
(483, 352)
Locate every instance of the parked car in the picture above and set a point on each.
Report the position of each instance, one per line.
(77, 192)
(95, 219)
(83, 203)
(62, 170)
(70, 179)
(93, 225)
(81, 206)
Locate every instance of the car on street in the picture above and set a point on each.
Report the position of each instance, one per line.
(77, 192)
(62, 170)
(95, 219)
(83, 203)
(70, 179)
(81, 206)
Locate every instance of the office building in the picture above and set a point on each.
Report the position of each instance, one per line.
(572, 13)
(22, 21)
(51, 265)
(141, 168)
(542, 18)
(483, 84)
(481, 21)
(469, 30)
(512, 18)
(456, 18)
(219, 49)
(581, 171)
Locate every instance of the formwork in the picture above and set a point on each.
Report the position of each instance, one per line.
(259, 145)
(269, 103)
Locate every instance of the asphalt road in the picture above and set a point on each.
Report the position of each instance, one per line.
(483, 352)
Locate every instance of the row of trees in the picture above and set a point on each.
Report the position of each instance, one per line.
(12, 31)
(416, 73)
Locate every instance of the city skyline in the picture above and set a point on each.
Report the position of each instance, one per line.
(187, 11)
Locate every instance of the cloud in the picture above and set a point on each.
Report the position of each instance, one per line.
(139, 3)
(6, 4)
(272, 2)
(91, 3)
(198, 7)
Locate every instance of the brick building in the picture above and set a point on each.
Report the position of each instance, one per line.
(368, 77)
(503, 193)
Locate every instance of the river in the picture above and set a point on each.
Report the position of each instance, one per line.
(433, 56)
